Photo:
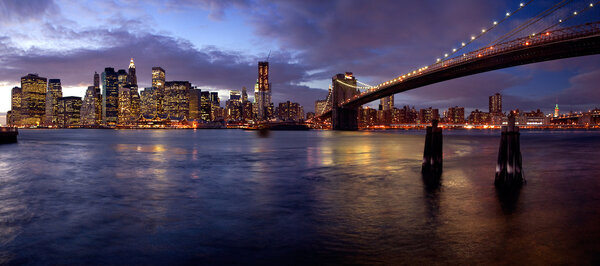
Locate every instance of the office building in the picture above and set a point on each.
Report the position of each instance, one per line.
(427, 115)
(289, 111)
(110, 97)
(33, 101)
(148, 102)
(53, 92)
(455, 115)
(69, 111)
(496, 104)
(176, 99)
(262, 93)
(131, 77)
(206, 104)
(158, 82)
(14, 118)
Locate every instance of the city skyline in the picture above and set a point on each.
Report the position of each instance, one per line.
(300, 69)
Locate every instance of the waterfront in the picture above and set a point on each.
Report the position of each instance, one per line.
(232, 196)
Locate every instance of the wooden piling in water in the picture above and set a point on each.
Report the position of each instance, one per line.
(432, 154)
(509, 167)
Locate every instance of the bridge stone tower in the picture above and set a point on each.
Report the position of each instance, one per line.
(343, 88)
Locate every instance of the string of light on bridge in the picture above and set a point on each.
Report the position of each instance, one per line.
(485, 31)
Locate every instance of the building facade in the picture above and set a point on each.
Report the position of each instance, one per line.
(176, 99)
(110, 97)
(69, 111)
(33, 101)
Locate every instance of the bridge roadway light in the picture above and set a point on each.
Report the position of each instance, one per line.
(521, 4)
(463, 44)
(575, 13)
(495, 22)
(472, 37)
(507, 14)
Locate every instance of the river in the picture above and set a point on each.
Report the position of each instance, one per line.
(123, 197)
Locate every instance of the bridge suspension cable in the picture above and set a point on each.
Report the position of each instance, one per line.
(354, 86)
(485, 31)
(574, 14)
(530, 22)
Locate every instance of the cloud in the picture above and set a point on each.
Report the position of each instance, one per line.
(216, 8)
(25, 10)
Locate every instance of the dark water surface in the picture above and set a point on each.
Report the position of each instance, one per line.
(230, 196)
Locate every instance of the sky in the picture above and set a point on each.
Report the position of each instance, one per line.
(216, 44)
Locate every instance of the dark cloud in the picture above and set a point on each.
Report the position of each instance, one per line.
(23, 10)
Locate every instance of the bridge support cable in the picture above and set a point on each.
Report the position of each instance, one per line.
(530, 22)
(574, 14)
(485, 31)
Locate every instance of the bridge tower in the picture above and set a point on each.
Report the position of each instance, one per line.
(343, 88)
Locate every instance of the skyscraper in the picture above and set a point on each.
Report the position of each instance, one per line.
(33, 103)
(262, 93)
(69, 111)
(128, 104)
(158, 82)
(148, 101)
(205, 106)
(110, 96)
(194, 103)
(556, 114)
(496, 104)
(91, 110)
(15, 107)
(52, 94)
(131, 77)
(244, 94)
(386, 103)
(234, 106)
(176, 99)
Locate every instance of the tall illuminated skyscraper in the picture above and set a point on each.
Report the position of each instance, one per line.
(33, 103)
(131, 77)
(556, 113)
(14, 116)
(148, 101)
(52, 94)
(176, 99)
(205, 106)
(158, 82)
(110, 96)
(262, 93)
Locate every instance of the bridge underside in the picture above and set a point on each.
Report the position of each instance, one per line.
(527, 55)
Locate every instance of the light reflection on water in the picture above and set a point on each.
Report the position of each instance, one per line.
(231, 196)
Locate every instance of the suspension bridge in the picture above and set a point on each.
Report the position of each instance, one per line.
(549, 42)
